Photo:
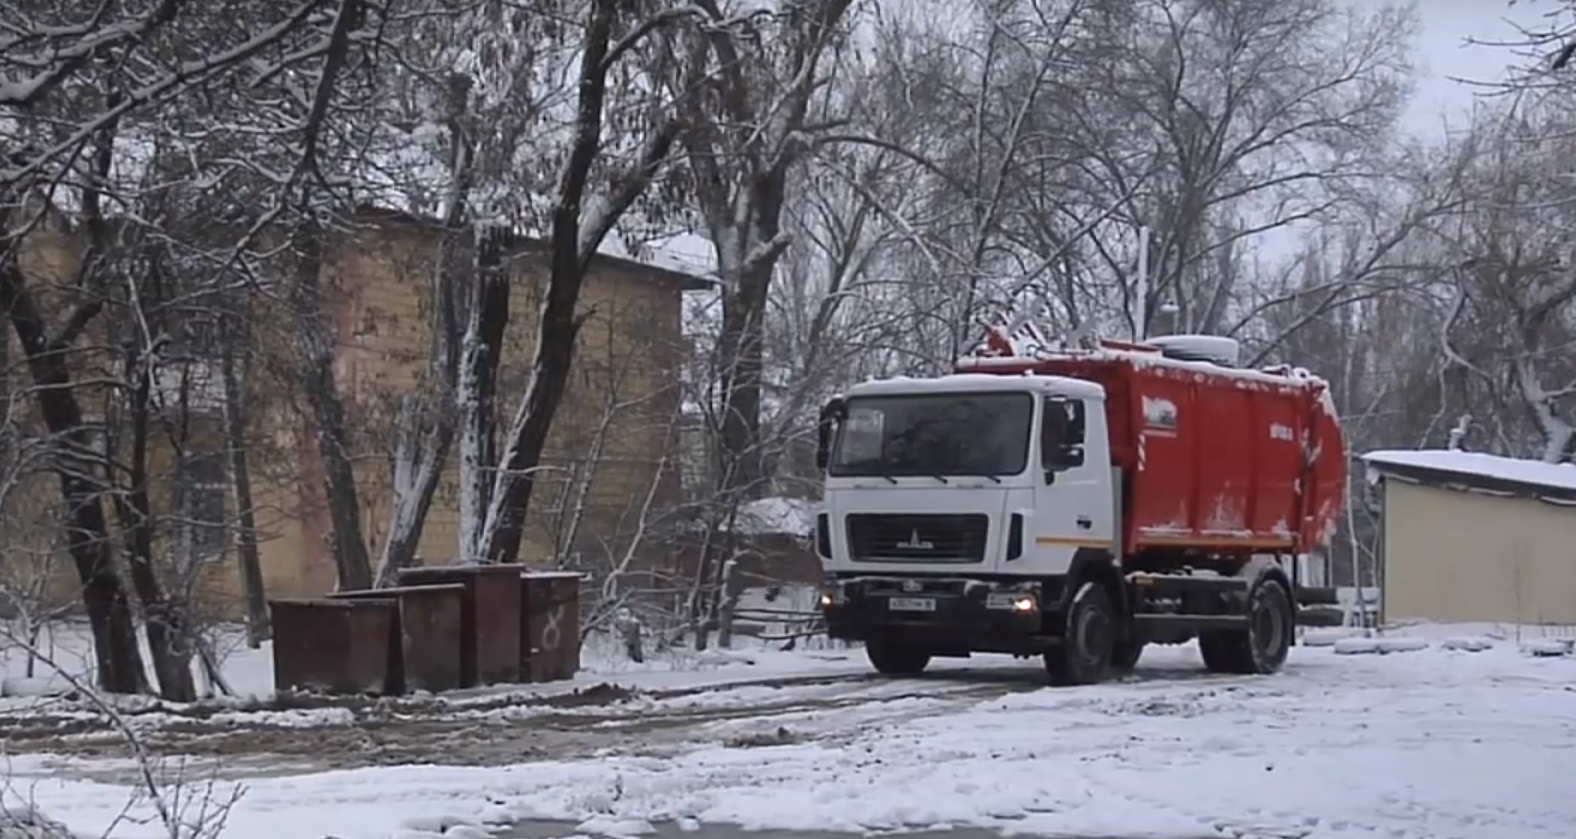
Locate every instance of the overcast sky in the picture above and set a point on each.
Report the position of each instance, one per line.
(1442, 52)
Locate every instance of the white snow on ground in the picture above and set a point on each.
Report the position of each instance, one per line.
(250, 672)
(1438, 743)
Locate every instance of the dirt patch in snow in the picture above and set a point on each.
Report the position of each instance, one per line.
(300, 734)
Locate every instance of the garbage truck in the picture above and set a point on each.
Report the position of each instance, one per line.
(1077, 502)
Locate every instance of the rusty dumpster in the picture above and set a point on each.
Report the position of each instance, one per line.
(550, 640)
(332, 646)
(489, 618)
(424, 647)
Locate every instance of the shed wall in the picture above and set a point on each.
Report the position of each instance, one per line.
(1451, 555)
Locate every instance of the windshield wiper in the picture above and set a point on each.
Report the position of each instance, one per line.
(988, 477)
(870, 468)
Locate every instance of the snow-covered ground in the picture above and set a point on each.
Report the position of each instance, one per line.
(1438, 742)
(250, 672)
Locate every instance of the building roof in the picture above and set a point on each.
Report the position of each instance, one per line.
(687, 278)
(1478, 472)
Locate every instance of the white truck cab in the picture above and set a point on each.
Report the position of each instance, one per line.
(967, 474)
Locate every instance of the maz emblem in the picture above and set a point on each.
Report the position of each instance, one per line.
(911, 586)
(916, 543)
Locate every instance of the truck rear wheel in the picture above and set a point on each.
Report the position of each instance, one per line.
(893, 660)
(1088, 639)
(1262, 648)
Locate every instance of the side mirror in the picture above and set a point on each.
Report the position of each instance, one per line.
(1060, 458)
(831, 414)
(1072, 456)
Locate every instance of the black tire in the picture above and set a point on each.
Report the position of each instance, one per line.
(1088, 640)
(1124, 656)
(1262, 648)
(892, 660)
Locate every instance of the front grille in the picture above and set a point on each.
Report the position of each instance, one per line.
(891, 537)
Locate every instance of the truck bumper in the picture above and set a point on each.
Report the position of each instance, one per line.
(943, 616)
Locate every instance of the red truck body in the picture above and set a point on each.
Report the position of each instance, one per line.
(1214, 458)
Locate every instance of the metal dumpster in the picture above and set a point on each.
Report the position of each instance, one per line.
(332, 646)
(424, 649)
(550, 640)
(489, 618)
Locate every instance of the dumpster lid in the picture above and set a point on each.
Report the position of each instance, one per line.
(336, 603)
(458, 569)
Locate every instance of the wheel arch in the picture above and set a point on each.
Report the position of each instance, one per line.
(1099, 566)
(1263, 567)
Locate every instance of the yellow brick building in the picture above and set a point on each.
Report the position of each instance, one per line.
(613, 438)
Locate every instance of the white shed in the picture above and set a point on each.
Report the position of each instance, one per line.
(1475, 537)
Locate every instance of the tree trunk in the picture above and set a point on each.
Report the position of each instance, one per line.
(741, 360)
(115, 650)
(430, 416)
(555, 345)
(486, 319)
(328, 410)
(740, 469)
(167, 639)
(558, 325)
(426, 435)
(248, 560)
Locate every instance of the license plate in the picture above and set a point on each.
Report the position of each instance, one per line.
(912, 604)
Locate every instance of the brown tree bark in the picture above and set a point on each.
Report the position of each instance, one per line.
(235, 405)
(574, 242)
(487, 317)
(349, 546)
(168, 643)
(115, 649)
(351, 557)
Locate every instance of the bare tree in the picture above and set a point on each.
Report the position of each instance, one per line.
(1510, 282)
(74, 83)
(582, 216)
(1265, 114)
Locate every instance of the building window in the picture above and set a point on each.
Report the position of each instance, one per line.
(204, 527)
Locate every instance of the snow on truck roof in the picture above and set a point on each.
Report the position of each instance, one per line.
(1293, 376)
(976, 382)
(1475, 468)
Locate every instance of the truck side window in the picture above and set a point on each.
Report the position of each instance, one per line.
(1062, 434)
(1075, 423)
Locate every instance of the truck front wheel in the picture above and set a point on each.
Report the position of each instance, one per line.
(1262, 648)
(892, 660)
(1088, 639)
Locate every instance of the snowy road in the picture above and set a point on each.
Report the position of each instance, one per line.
(1434, 744)
(506, 729)
(669, 830)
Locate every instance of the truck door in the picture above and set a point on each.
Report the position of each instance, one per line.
(1073, 502)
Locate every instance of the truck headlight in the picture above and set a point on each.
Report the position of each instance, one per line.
(1011, 601)
(832, 596)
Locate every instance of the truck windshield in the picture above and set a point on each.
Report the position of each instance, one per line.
(934, 434)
